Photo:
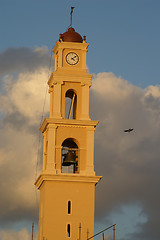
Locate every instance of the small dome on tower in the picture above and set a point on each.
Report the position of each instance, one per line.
(71, 36)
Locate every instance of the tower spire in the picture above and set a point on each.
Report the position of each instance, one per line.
(71, 14)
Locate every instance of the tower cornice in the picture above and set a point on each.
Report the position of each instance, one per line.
(68, 123)
(73, 45)
(59, 76)
(66, 178)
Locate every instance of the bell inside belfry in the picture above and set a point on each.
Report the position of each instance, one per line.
(69, 158)
(69, 162)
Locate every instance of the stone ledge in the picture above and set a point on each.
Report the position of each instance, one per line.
(66, 178)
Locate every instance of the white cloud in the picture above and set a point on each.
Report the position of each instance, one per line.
(25, 94)
(15, 235)
(153, 90)
(22, 100)
(129, 163)
(14, 60)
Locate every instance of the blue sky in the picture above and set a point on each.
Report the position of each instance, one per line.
(124, 57)
(123, 34)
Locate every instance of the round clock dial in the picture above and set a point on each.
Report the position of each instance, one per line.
(72, 58)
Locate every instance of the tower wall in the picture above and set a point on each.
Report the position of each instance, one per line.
(54, 209)
(67, 181)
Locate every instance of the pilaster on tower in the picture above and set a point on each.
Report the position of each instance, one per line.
(67, 182)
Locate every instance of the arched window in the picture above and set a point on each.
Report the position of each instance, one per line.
(70, 104)
(69, 156)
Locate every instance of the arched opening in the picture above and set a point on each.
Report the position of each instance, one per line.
(70, 104)
(69, 163)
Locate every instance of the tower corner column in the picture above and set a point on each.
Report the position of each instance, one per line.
(85, 101)
(57, 102)
(51, 137)
(90, 151)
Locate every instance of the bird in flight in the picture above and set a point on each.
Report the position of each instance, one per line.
(128, 130)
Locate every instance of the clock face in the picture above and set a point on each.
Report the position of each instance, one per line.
(72, 58)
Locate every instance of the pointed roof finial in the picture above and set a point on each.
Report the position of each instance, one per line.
(71, 14)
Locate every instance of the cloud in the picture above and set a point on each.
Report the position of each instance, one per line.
(23, 59)
(28, 88)
(129, 163)
(22, 98)
(22, 109)
(15, 235)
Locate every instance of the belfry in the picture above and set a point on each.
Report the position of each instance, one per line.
(67, 181)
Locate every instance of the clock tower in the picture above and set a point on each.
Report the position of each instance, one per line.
(67, 181)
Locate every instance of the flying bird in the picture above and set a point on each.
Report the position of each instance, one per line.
(128, 130)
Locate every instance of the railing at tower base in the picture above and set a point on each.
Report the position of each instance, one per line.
(112, 226)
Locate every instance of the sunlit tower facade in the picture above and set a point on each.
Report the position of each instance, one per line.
(67, 181)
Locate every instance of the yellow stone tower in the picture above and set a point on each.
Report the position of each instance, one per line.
(67, 182)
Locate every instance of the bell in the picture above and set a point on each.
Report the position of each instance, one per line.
(69, 158)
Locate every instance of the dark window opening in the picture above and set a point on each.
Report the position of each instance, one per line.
(70, 104)
(69, 207)
(68, 230)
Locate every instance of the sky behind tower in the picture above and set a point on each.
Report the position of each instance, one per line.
(123, 56)
(123, 35)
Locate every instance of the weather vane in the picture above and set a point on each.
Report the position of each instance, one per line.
(71, 14)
